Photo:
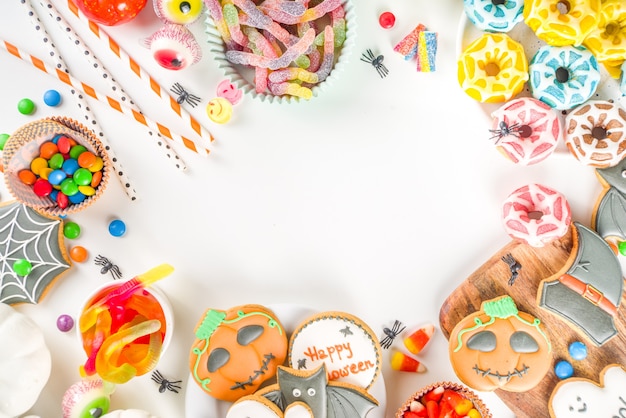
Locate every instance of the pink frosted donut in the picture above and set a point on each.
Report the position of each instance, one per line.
(526, 130)
(536, 215)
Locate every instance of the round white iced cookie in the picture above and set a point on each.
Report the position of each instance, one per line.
(344, 343)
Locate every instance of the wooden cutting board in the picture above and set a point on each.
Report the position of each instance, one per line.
(491, 280)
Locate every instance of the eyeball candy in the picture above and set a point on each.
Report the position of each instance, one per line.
(174, 47)
(182, 12)
(87, 398)
(219, 110)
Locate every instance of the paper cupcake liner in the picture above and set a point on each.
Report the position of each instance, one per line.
(462, 390)
(243, 77)
(23, 146)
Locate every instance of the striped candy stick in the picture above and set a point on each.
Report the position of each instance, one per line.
(115, 87)
(136, 69)
(113, 103)
(82, 103)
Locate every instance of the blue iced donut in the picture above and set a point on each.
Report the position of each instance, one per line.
(563, 76)
(494, 15)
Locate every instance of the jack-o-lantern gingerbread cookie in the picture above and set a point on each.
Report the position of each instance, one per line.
(237, 350)
(499, 347)
(584, 398)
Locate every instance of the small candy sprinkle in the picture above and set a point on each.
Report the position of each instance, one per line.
(578, 350)
(117, 228)
(622, 247)
(563, 369)
(71, 230)
(52, 98)
(26, 106)
(22, 267)
(65, 323)
(387, 20)
(3, 140)
(78, 253)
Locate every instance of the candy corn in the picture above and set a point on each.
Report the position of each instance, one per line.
(441, 403)
(416, 341)
(404, 363)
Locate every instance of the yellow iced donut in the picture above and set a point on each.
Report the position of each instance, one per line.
(608, 40)
(562, 22)
(493, 68)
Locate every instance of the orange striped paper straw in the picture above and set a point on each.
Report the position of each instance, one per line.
(116, 88)
(139, 71)
(113, 103)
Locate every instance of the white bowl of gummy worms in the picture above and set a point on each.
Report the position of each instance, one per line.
(281, 51)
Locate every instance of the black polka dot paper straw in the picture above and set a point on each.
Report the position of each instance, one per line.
(90, 120)
(116, 89)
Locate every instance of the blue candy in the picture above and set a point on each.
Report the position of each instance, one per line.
(52, 98)
(56, 177)
(578, 350)
(117, 228)
(563, 369)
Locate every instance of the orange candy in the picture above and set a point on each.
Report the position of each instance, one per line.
(96, 179)
(86, 159)
(416, 341)
(48, 149)
(78, 254)
(27, 177)
(404, 363)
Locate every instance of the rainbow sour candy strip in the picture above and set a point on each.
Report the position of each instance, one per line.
(408, 45)
(426, 51)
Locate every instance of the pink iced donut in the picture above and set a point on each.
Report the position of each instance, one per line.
(536, 215)
(526, 130)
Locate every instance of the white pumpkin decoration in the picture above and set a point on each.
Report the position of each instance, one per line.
(129, 413)
(25, 362)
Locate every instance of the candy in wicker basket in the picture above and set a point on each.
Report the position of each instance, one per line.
(23, 146)
(478, 404)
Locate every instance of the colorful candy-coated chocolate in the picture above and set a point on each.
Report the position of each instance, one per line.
(219, 110)
(56, 161)
(78, 253)
(86, 159)
(563, 369)
(117, 228)
(57, 176)
(22, 267)
(62, 200)
(386, 20)
(3, 140)
(69, 187)
(26, 106)
(87, 190)
(27, 177)
(578, 350)
(76, 198)
(52, 98)
(42, 187)
(417, 340)
(63, 144)
(77, 150)
(48, 149)
(71, 230)
(70, 166)
(65, 323)
(403, 363)
(82, 177)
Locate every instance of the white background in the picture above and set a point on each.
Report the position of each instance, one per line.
(378, 198)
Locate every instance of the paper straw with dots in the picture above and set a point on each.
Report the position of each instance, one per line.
(116, 88)
(139, 71)
(82, 103)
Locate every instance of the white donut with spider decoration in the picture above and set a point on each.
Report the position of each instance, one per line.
(536, 215)
(526, 130)
(595, 133)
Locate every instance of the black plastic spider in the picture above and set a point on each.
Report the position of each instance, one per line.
(377, 61)
(514, 267)
(391, 334)
(184, 95)
(505, 130)
(164, 384)
(108, 267)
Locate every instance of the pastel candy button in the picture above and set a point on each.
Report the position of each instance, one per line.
(219, 110)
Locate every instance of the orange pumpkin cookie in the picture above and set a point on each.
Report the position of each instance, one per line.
(237, 350)
(499, 347)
